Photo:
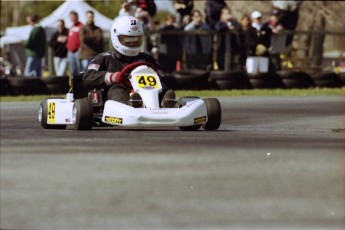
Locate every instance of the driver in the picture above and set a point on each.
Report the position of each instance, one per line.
(103, 71)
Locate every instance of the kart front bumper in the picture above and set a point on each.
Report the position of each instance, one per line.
(119, 114)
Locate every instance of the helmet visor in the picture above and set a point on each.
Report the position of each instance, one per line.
(131, 41)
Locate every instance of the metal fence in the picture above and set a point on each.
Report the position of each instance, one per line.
(307, 51)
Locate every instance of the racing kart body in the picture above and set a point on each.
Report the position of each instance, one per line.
(85, 110)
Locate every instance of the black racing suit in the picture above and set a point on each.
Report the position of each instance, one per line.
(111, 62)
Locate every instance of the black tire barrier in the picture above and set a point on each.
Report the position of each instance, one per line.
(265, 81)
(5, 88)
(170, 81)
(27, 86)
(35, 86)
(327, 80)
(192, 79)
(342, 78)
(295, 79)
(57, 85)
(228, 79)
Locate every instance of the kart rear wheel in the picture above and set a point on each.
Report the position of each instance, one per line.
(43, 116)
(214, 114)
(82, 114)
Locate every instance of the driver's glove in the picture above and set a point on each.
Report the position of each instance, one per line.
(112, 78)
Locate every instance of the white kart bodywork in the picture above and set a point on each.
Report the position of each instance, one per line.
(146, 83)
(116, 113)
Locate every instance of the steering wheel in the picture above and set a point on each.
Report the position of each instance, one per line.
(130, 67)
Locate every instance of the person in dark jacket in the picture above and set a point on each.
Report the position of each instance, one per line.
(273, 41)
(58, 43)
(198, 47)
(212, 10)
(103, 71)
(289, 12)
(170, 48)
(35, 48)
(183, 10)
(148, 6)
(226, 24)
(91, 41)
(248, 39)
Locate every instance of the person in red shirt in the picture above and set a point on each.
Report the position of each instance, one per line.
(73, 44)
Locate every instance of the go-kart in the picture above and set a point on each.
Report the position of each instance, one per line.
(85, 108)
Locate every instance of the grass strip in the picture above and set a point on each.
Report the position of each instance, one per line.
(215, 93)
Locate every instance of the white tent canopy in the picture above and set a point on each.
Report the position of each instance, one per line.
(21, 33)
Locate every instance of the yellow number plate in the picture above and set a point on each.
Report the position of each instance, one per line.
(147, 81)
(51, 112)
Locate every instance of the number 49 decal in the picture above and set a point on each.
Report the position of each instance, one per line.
(147, 81)
(51, 112)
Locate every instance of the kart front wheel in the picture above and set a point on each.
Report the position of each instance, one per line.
(43, 114)
(82, 114)
(214, 114)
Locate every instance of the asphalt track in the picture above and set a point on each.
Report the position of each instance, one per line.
(275, 163)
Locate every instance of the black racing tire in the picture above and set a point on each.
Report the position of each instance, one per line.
(229, 79)
(190, 128)
(55, 80)
(327, 80)
(57, 89)
(295, 79)
(82, 114)
(192, 79)
(57, 85)
(43, 115)
(268, 80)
(214, 114)
(27, 86)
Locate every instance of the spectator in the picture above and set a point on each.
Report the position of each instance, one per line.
(35, 48)
(91, 41)
(73, 44)
(128, 8)
(198, 47)
(256, 17)
(184, 9)
(145, 18)
(58, 43)
(212, 10)
(149, 6)
(152, 42)
(148, 25)
(276, 42)
(248, 39)
(288, 11)
(169, 47)
(225, 24)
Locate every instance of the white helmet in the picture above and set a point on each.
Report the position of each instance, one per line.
(256, 14)
(127, 35)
